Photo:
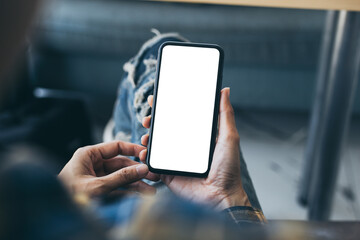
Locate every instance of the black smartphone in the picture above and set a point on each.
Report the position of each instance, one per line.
(185, 109)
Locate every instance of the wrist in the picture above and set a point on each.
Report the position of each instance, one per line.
(238, 198)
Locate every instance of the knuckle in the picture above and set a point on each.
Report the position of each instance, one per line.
(233, 137)
(82, 150)
(90, 152)
(79, 151)
(236, 138)
(229, 111)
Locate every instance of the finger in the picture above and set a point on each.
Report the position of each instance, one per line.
(145, 139)
(111, 149)
(146, 122)
(142, 187)
(124, 177)
(116, 163)
(150, 100)
(227, 125)
(153, 177)
(142, 155)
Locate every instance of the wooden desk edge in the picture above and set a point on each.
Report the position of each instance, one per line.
(349, 5)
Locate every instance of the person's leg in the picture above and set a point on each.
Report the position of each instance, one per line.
(136, 85)
(131, 106)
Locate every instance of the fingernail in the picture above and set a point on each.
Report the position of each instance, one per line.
(142, 169)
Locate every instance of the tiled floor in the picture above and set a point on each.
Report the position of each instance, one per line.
(273, 147)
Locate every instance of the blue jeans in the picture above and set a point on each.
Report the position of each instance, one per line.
(131, 105)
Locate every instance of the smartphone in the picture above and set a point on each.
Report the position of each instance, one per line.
(185, 109)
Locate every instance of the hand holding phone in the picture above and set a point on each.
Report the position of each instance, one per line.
(187, 84)
(222, 187)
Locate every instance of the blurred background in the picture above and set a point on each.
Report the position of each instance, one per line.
(70, 67)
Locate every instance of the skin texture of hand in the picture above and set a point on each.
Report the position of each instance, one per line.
(223, 186)
(99, 170)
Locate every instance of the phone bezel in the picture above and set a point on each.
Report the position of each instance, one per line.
(215, 115)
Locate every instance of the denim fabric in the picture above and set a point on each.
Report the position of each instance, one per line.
(137, 84)
(118, 212)
(131, 106)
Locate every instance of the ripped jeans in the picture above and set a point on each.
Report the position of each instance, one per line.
(131, 105)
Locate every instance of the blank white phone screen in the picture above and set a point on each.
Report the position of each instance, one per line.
(184, 111)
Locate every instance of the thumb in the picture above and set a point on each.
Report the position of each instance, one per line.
(124, 176)
(227, 125)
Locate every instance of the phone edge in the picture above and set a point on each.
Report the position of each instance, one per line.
(215, 114)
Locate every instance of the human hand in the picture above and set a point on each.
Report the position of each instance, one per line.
(222, 187)
(99, 170)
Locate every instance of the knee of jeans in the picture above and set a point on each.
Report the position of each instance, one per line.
(146, 58)
(141, 106)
